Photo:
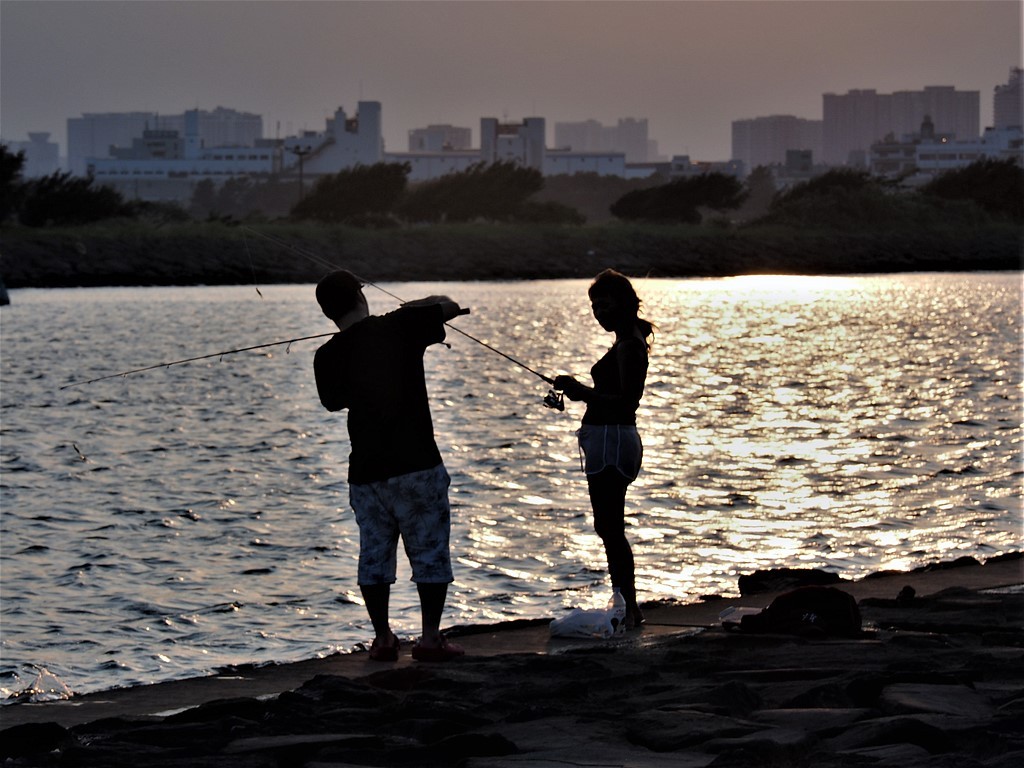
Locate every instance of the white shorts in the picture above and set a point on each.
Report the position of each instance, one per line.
(611, 445)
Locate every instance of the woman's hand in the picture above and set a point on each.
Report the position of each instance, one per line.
(572, 388)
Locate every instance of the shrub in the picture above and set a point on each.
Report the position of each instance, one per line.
(489, 191)
(844, 200)
(997, 186)
(61, 199)
(11, 187)
(364, 189)
(679, 201)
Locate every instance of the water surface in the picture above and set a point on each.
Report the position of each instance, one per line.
(169, 523)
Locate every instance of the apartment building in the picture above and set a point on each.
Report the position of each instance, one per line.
(629, 136)
(440, 138)
(165, 164)
(1008, 102)
(92, 135)
(766, 140)
(919, 156)
(853, 121)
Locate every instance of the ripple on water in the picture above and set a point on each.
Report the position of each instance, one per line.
(196, 517)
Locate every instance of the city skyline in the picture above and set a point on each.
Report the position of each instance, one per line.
(689, 68)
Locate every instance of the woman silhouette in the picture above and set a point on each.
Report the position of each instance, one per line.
(608, 435)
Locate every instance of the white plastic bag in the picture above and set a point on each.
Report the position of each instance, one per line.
(580, 623)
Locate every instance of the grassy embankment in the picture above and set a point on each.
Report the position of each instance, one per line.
(137, 253)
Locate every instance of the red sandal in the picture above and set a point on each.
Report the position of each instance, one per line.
(444, 652)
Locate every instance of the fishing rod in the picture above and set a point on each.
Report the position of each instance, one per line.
(553, 399)
(327, 264)
(194, 359)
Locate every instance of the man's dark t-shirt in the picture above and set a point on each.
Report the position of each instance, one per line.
(375, 369)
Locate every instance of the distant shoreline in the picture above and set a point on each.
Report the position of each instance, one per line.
(136, 254)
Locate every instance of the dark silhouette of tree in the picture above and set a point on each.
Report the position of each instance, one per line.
(204, 199)
(242, 198)
(271, 198)
(760, 187)
(11, 186)
(841, 198)
(548, 212)
(997, 186)
(489, 191)
(61, 199)
(679, 200)
(851, 200)
(842, 180)
(354, 192)
(590, 193)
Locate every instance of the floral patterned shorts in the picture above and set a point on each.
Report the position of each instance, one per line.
(414, 506)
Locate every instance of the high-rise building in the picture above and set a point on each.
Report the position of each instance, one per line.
(220, 127)
(853, 121)
(766, 140)
(440, 138)
(93, 134)
(521, 143)
(1007, 109)
(345, 142)
(629, 136)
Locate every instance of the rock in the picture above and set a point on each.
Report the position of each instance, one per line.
(666, 731)
(781, 579)
(464, 745)
(893, 754)
(819, 721)
(942, 699)
(33, 739)
(891, 730)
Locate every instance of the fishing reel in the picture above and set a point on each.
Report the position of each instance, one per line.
(554, 399)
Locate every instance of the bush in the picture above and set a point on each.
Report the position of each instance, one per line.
(243, 198)
(846, 200)
(679, 201)
(492, 192)
(591, 194)
(997, 186)
(61, 199)
(550, 212)
(11, 188)
(364, 189)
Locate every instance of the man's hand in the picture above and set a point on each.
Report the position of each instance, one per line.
(449, 308)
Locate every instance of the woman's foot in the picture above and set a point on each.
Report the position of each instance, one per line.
(635, 618)
(385, 651)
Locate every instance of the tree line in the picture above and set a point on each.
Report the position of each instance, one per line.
(380, 196)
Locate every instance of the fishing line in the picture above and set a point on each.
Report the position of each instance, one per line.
(252, 267)
(194, 359)
(327, 264)
(552, 400)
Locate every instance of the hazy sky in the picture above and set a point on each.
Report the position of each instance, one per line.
(689, 67)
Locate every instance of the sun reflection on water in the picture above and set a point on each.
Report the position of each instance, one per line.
(849, 423)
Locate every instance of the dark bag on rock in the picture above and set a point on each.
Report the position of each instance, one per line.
(809, 611)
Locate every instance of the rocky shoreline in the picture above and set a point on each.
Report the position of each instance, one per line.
(934, 678)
